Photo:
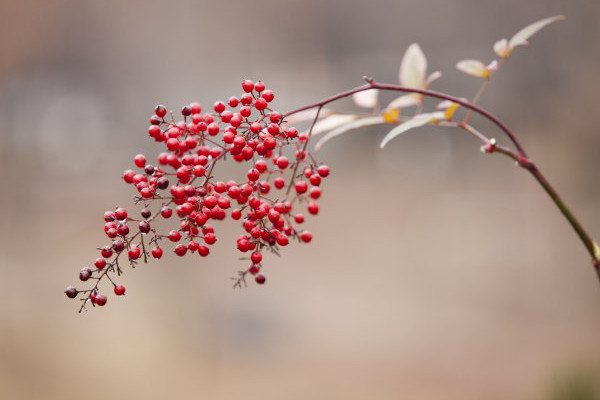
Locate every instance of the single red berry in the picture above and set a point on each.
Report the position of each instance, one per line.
(256, 257)
(219, 107)
(193, 245)
(259, 86)
(315, 192)
(100, 263)
(134, 252)
(186, 111)
(268, 95)
(118, 245)
(106, 251)
(260, 279)
(236, 214)
(282, 162)
(180, 250)
(260, 104)
(306, 236)
(157, 252)
(246, 99)
(128, 177)
(160, 110)
(279, 182)
(71, 292)
(203, 250)
(119, 290)
(254, 269)
(248, 86)
(299, 218)
(174, 236)
(166, 212)
(121, 214)
(123, 229)
(210, 238)
(100, 299)
(315, 179)
(313, 207)
(282, 239)
(233, 101)
(323, 170)
(196, 108)
(301, 187)
(140, 160)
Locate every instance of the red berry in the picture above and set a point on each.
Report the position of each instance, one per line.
(268, 95)
(219, 107)
(323, 170)
(256, 257)
(121, 214)
(100, 263)
(282, 162)
(248, 86)
(100, 299)
(301, 187)
(157, 252)
(299, 218)
(174, 236)
(180, 250)
(279, 182)
(315, 192)
(260, 104)
(134, 252)
(306, 236)
(140, 160)
(313, 207)
(119, 290)
(259, 86)
(166, 212)
(233, 101)
(106, 251)
(160, 110)
(260, 279)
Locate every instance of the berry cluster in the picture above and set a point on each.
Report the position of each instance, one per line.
(282, 175)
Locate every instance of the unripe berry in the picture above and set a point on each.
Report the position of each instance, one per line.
(85, 274)
(71, 292)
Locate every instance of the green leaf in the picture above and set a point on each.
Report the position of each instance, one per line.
(415, 122)
(360, 123)
(520, 38)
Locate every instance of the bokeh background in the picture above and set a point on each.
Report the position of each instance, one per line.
(436, 272)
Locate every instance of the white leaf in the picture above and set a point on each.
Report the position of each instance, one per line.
(501, 48)
(520, 38)
(332, 122)
(360, 123)
(366, 98)
(432, 77)
(472, 67)
(413, 67)
(406, 100)
(415, 122)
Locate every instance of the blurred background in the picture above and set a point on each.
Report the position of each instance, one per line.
(435, 271)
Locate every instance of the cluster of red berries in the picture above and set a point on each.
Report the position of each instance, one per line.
(282, 176)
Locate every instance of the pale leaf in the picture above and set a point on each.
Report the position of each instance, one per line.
(360, 123)
(520, 38)
(472, 67)
(432, 77)
(501, 48)
(415, 122)
(406, 100)
(332, 122)
(413, 67)
(366, 98)
(596, 249)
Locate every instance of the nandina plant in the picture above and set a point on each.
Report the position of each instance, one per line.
(282, 178)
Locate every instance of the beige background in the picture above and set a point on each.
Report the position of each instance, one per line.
(436, 272)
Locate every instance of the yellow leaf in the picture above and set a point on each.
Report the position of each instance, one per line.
(450, 111)
(391, 115)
